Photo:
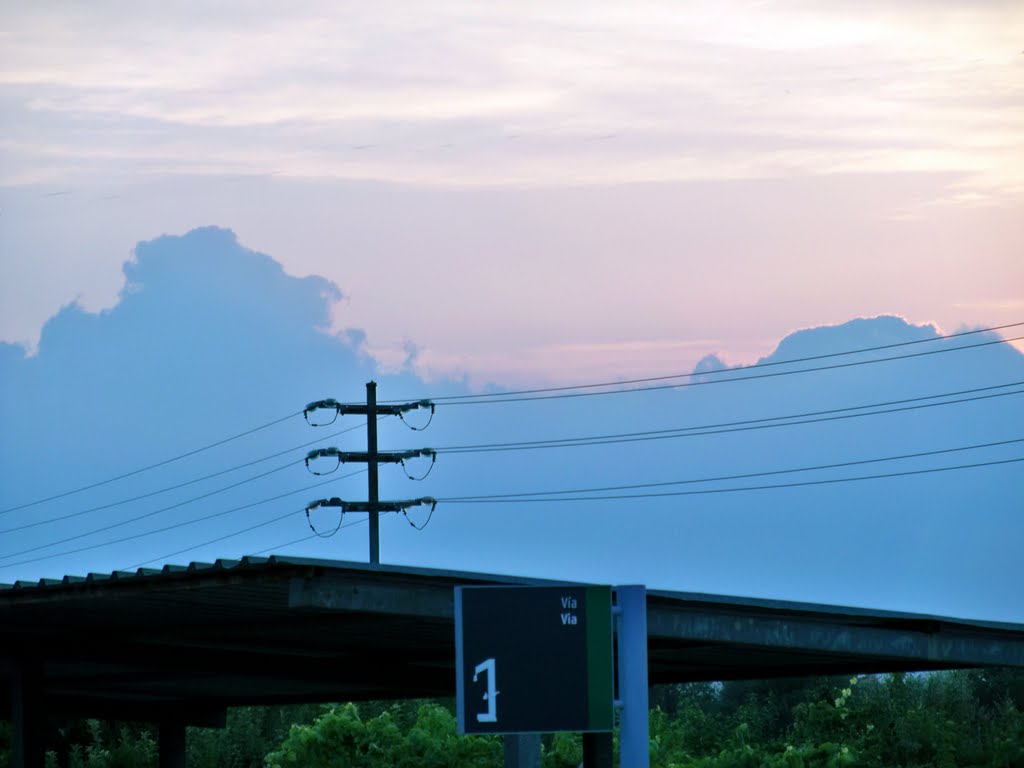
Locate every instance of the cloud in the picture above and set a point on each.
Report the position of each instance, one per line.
(853, 334)
(614, 264)
(708, 364)
(1010, 304)
(734, 91)
(562, 363)
(210, 338)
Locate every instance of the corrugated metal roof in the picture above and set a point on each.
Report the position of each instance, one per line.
(219, 564)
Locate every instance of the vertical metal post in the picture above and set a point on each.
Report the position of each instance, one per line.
(634, 735)
(28, 717)
(172, 744)
(373, 493)
(522, 750)
(597, 750)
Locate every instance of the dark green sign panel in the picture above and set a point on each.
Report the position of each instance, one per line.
(533, 659)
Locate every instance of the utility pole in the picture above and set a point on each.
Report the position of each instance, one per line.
(372, 488)
(372, 457)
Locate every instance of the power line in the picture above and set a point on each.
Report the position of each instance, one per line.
(253, 528)
(240, 533)
(565, 442)
(151, 466)
(452, 448)
(508, 397)
(172, 527)
(272, 520)
(506, 500)
(498, 398)
(450, 398)
(709, 491)
(139, 517)
(184, 484)
(733, 426)
(743, 476)
(425, 523)
(275, 519)
(310, 537)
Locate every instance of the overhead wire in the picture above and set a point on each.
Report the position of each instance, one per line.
(138, 517)
(169, 527)
(147, 468)
(743, 476)
(504, 397)
(310, 537)
(240, 533)
(711, 491)
(512, 396)
(265, 523)
(433, 460)
(560, 495)
(744, 425)
(324, 535)
(571, 442)
(549, 496)
(774, 374)
(430, 516)
(186, 482)
(183, 485)
(683, 385)
(309, 520)
(565, 392)
(417, 429)
(868, 461)
(299, 540)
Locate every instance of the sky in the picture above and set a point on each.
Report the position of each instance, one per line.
(210, 339)
(667, 179)
(210, 216)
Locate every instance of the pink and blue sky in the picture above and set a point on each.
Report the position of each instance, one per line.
(451, 195)
(529, 192)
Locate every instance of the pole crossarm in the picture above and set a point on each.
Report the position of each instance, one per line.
(386, 457)
(365, 506)
(362, 409)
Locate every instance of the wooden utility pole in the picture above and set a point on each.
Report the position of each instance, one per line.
(372, 487)
(372, 457)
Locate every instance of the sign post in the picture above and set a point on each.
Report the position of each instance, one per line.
(634, 730)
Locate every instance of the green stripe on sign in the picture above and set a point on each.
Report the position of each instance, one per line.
(599, 658)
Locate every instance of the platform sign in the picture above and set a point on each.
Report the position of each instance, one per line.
(533, 659)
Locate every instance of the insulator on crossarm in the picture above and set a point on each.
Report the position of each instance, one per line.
(321, 453)
(328, 404)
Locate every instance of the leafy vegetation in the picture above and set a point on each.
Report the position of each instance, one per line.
(959, 718)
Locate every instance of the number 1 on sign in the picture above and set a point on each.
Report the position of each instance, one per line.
(491, 697)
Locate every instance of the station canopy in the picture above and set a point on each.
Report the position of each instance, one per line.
(189, 641)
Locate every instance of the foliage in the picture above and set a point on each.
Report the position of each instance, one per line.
(563, 750)
(251, 733)
(958, 718)
(107, 745)
(340, 737)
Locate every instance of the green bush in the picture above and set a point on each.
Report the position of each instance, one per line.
(341, 739)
